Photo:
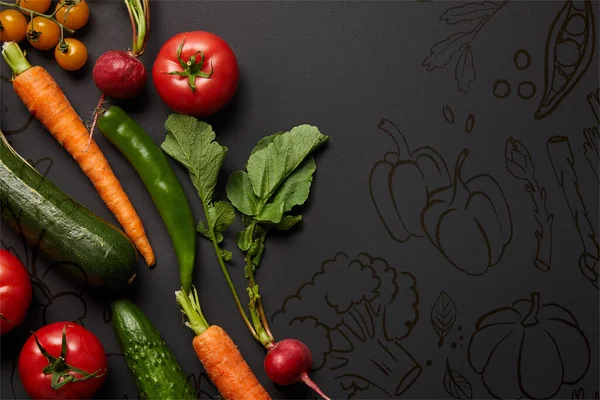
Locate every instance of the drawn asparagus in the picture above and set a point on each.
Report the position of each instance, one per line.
(590, 149)
(563, 164)
(520, 165)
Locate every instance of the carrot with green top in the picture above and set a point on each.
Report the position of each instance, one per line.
(47, 103)
(219, 355)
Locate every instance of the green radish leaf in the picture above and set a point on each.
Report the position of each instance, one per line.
(192, 143)
(203, 230)
(226, 254)
(271, 213)
(279, 156)
(222, 215)
(244, 238)
(288, 222)
(295, 189)
(240, 193)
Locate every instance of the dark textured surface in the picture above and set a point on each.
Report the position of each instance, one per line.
(397, 321)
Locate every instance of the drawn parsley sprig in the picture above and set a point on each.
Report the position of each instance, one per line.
(471, 17)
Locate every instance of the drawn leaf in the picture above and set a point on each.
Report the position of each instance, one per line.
(465, 70)
(443, 316)
(442, 52)
(457, 385)
(469, 12)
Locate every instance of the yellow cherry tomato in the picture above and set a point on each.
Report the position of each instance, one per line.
(40, 6)
(13, 26)
(42, 33)
(71, 54)
(73, 14)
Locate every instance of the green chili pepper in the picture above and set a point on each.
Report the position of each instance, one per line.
(168, 196)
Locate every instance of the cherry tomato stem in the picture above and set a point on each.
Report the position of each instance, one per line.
(38, 14)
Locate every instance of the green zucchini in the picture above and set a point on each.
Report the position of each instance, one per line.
(154, 367)
(65, 231)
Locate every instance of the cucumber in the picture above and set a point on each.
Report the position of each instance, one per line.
(155, 369)
(65, 231)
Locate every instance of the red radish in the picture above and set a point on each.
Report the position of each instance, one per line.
(288, 362)
(119, 74)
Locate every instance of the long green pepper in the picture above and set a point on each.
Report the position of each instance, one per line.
(166, 192)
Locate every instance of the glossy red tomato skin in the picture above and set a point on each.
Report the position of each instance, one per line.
(211, 93)
(84, 351)
(15, 292)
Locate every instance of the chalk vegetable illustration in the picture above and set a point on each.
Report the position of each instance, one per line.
(469, 222)
(358, 323)
(472, 18)
(569, 52)
(591, 135)
(529, 349)
(455, 384)
(401, 184)
(443, 316)
(520, 165)
(563, 164)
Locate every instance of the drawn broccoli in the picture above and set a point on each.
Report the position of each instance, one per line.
(359, 311)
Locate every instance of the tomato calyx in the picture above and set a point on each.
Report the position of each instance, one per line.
(63, 47)
(58, 367)
(192, 68)
(33, 35)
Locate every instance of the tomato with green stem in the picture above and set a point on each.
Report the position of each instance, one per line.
(73, 14)
(195, 73)
(40, 6)
(71, 54)
(43, 33)
(13, 26)
(15, 292)
(62, 360)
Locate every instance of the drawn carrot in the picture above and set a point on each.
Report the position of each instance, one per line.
(47, 103)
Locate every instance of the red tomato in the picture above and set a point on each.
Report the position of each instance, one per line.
(213, 81)
(15, 292)
(83, 351)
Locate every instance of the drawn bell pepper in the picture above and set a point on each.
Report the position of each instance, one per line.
(402, 183)
(470, 222)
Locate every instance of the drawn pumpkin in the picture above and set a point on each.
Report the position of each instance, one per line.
(529, 350)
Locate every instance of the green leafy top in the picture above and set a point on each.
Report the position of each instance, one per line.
(278, 177)
(278, 174)
(192, 143)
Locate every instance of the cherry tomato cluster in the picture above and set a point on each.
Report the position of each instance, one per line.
(46, 31)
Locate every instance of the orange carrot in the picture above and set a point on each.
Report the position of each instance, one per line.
(47, 103)
(226, 367)
(220, 357)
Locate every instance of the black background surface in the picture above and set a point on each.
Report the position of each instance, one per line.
(344, 67)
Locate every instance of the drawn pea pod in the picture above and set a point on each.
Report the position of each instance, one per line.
(402, 183)
(469, 222)
(569, 52)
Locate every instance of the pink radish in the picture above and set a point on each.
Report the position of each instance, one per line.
(288, 362)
